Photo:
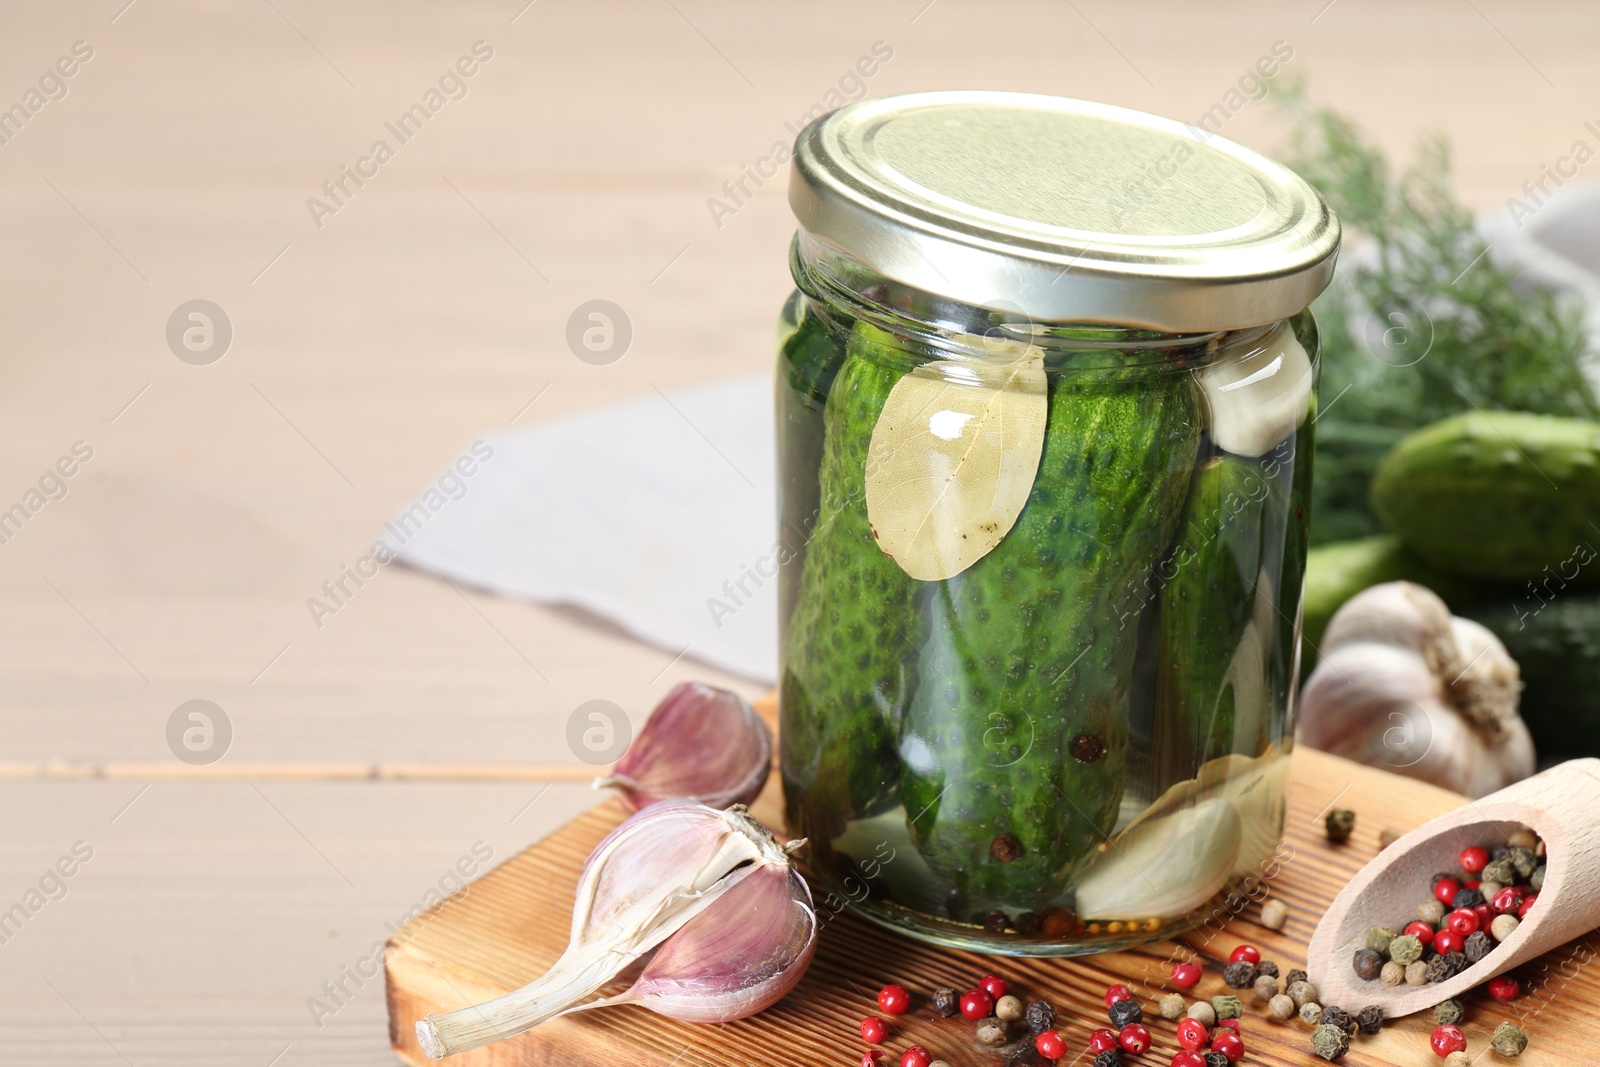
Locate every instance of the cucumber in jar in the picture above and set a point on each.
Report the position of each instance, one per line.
(1014, 747)
(851, 639)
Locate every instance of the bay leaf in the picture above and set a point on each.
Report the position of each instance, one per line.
(956, 450)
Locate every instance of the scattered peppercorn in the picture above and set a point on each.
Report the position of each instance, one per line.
(894, 1000)
(1172, 1006)
(1134, 1039)
(1008, 1008)
(993, 985)
(1449, 1012)
(1050, 1043)
(1329, 1042)
(1214, 1058)
(1102, 1039)
(1185, 975)
(1248, 953)
(939, 1063)
(1367, 963)
(1226, 1006)
(1479, 945)
(1407, 948)
(1039, 1016)
(915, 1056)
(1108, 1058)
(945, 1002)
(1338, 823)
(873, 1030)
(1274, 913)
(1240, 974)
(991, 1031)
(976, 1004)
(1447, 1039)
(1294, 975)
(1301, 991)
(1311, 1013)
(1369, 1020)
(1281, 1007)
(1504, 987)
(1203, 1013)
(1417, 973)
(1458, 1059)
(1388, 836)
(1124, 1012)
(1337, 1016)
(1117, 992)
(1266, 987)
(1184, 1058)
(1509, 1040)
(1230, 1044)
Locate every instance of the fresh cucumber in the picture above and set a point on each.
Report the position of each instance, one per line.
(851, 638)
(1498, 495)
(1014, 748)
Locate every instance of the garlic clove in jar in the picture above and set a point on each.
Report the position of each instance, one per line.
(1400, 684)
(701, 743)
(1163, 866)
(1258, 395)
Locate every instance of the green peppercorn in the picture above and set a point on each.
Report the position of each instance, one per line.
(1405, 949)
(1502, 871)
(1172, 1006)
(1367, 963)
(1449, 1012)
(1226, 1006)
(1338, 823)
(1329, 1042)
(1524, 861)
(1509, 1040)
(1378, 939)
(1536, 879)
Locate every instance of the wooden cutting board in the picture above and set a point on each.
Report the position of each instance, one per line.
(510, 925)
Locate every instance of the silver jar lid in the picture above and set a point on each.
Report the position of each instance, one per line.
(1068, 210)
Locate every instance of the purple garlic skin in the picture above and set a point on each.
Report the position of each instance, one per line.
(738, 957)
(702, 744)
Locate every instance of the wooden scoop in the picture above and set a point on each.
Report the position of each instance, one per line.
(1562, 806)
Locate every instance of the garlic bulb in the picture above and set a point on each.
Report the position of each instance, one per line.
(644, 883)
(1401, 684)
(701, 743)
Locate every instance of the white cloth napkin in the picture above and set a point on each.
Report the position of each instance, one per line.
(658, 514)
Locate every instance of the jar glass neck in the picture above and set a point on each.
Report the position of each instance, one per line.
(836, 280)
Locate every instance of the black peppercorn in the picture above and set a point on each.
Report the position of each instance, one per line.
(1029, 923)
(1443, 968)
(1268, 968)
(1216, 1059)
(1123, 1012)
(1499, 852)
(1294, 975)
(1339, 823)
(1335, 1016)
(996, 921)
(1240, 974)
(1368, 963)
(1108, 1058)
(1466, 898)
(1040, 1016)
(1478, 945)
(946, 1002)
(1370, 1019)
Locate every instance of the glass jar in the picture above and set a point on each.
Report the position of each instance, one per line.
(1045, 401)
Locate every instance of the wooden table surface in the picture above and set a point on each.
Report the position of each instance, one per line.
(176, 163)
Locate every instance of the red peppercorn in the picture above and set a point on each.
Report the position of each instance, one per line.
(1445, 890)
(1472, 883)
(1463, 921)
(1186, 1058)
(1526, 904)
(1134, 1039)
(1229, 1024)
(1421, 931)
(1508, 900)
(1117, 992)
(1505, 987)
(873, 1029)
(1192, 1034)
(1185, 975)
(870, 1057)
(993, 985)
(1447, 940)
(1447, 1039)
(1229, 1044)
(976, 1004)
(1474, 859)
(1485, 914)
(894, 1000)
(1102, 1040)
(915, 1056)
(1245, 954)
(1050, 1045)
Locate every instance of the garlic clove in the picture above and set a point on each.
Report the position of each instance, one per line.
(1164, 866)
(736, 958)
(646, 880)
(1258, 396)
(701, 743)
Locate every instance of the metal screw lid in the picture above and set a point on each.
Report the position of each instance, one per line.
(1070, 210)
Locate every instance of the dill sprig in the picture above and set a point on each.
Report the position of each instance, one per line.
(1421, 323)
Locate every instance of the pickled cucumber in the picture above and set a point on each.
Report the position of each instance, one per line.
(1014, 746)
